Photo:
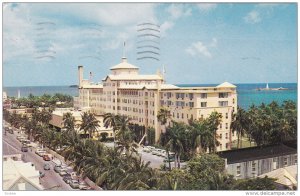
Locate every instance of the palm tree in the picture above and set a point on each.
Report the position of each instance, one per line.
(198, 128)
(163, 115)
(89, 123)
(69, 122)
(214, 121)
(175, 140)
(239, 124)
(110, 120)
(122, 124)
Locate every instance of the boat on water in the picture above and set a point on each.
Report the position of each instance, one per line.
(271, 89)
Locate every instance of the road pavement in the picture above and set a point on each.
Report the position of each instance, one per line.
(51, 180)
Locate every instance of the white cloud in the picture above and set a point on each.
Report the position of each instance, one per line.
(200, 49)
(253, 17)
(206, 7)
(167, 25)
(177, 11)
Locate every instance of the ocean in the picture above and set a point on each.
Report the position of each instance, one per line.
(247, 93)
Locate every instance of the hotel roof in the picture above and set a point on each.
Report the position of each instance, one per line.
(226, 84)
(133, 77)
(256, 153)
(151, 86)
(124, 65)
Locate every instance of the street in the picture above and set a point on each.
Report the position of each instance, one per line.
(51, 180)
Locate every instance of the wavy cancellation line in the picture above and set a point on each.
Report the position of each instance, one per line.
(148, 40)
(148, 23)
(148, 51)
(147, 57)
(148, 34)
(148, 46)
(149, 29)
(89, 56)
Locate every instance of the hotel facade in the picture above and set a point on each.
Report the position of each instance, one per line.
(126, 92)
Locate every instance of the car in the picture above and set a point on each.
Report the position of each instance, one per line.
(47, 166)
(146, 149)
(163, 153)
(42, 174)
(158, 152)
(40, 152)
(57, 168)
(26, 141)
(24, 148)
(87, 188)
(83, 185)
(67, 179)
(10, 130)
(63, 172)
(46, 157)
(74, 184)
(154, 152)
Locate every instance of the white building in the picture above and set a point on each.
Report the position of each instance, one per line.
(140, 97)
(57, 121)
(19, 176)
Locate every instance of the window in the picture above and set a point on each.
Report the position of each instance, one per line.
(223, 103)
(191, 104)
(226, 137)
(285, 161)
(226, 125)
(187, 116)
(182, 116)
(296, 160)
(238, 170)
(227, 145)
(202, 116)
(203, 104)
(220, 135)
(233, 101)
(220, 146)
(203, 95)
(177, 115)
(223, 95)
(253, 166)
(226, 115)
(191, 96)
(220, 125)
(274, 163)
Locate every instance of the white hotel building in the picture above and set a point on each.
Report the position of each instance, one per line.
(140, 97)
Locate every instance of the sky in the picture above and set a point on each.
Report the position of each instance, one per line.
(196, 43)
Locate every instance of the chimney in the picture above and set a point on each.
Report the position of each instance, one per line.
(80, 75)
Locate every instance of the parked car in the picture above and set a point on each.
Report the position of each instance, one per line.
(83, 185)
(40, 152)
(46, 157)
(47, 166)
(63, 172)
(146, 149)
(24, 148)
(57, 168)
(42, 174)
(67, 179)
(154, 152)
(74, 184)
(163, 153)
(10, 130)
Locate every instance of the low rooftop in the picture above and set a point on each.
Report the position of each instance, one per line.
(256, 153)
